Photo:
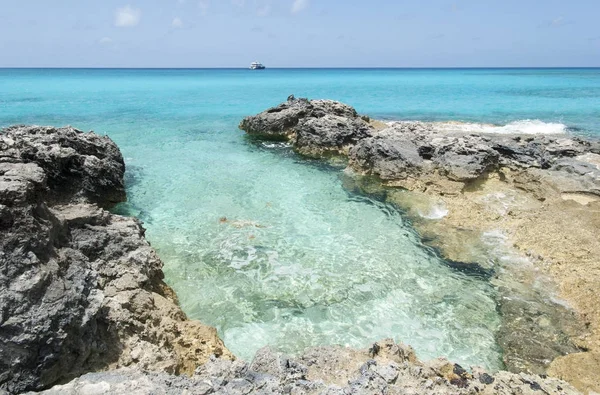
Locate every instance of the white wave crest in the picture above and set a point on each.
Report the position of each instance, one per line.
(526, 126)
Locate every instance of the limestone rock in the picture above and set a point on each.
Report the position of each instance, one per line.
(392, 369)
(79, 167)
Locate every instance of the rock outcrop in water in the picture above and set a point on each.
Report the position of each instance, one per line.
(538, 194)
(386, 368)
(404, 150)
(316, 127)
(80, 288)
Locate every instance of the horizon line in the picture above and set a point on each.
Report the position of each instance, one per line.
(296, 68)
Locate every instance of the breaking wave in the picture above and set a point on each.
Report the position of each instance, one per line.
(527, 126)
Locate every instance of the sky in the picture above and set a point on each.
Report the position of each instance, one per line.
(299, 33)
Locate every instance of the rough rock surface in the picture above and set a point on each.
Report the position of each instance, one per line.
(386, 368)
(414, 149)
(80, 288)
(315, 127)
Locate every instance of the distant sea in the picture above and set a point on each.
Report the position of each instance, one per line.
(301, 259)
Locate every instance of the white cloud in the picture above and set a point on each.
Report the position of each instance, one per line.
(299, 5)
(177, 22)
(204, 5)
(264, 10)
(127, 16)
(105, 41)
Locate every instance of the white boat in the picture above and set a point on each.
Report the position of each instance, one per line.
(256, 66)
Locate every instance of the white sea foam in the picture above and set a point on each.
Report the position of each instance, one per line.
(435, 212)
(527, 126)
(276, 145)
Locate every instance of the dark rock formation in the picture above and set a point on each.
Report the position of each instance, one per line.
(80, 288)
(315, 127)
(86, 169)
(392, 369)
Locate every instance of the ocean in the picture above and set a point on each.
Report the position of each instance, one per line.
(272, 248)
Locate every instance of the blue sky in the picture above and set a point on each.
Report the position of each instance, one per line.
(299, 33)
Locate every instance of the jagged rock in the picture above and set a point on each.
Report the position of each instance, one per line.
(388, 158)
(417, 149)
(330, 133)
(414, 149)
(396, 154)
(315, 126)
(78, 169)
(320, 370)
(80, 288)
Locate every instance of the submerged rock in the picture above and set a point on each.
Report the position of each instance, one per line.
(393, 369)
(80, 288)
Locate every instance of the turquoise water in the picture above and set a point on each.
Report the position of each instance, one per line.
(270, 248)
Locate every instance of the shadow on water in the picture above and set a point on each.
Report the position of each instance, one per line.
(133, 177)
(370, 191)
(284, 149)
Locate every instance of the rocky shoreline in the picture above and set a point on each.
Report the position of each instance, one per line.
(536, 196)
(82, 291)
(80, 288)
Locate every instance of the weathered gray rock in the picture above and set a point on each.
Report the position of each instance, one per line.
(77, 169)
(413, 149)
(80, 288)
(386, 368)
(330, 133)
(315, 127)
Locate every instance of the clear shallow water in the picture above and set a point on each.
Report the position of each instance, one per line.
(274, 250)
